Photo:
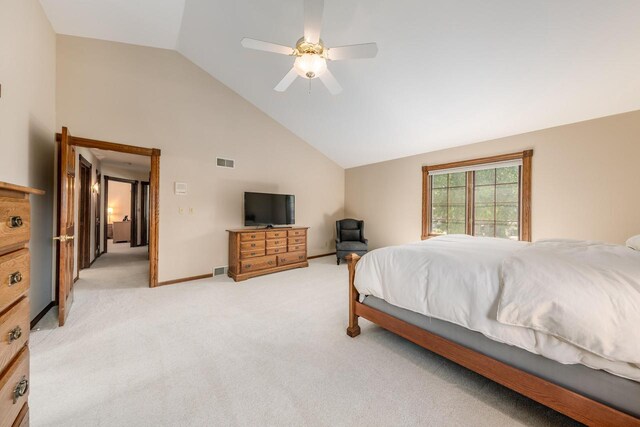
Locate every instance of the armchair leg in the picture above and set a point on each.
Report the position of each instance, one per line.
(338, 261)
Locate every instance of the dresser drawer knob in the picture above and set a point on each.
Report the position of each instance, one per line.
(253, 253)
(15, 278)
(253, 236)
(15, 222)
(270, 262)
(248, 265)
(253, 245)
(15, 334)
(21, 389)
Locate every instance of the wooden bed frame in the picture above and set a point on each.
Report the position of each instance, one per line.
(570, 403)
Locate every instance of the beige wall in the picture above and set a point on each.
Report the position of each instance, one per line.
(119, 200)
(585, 183)
(156, 98)
(27, 125)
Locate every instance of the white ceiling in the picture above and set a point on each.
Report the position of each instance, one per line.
(123, 160)
(448, 72)
(154, 23)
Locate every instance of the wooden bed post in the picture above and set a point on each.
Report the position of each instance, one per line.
(353, 330)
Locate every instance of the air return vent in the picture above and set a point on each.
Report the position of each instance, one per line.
(225, 163)
(219, 271)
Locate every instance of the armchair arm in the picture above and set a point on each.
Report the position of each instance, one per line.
(365, 241)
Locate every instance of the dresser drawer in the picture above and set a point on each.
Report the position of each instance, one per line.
(246, 237)
(297, 248)
(14, 331)
(277, 250)
(23, 417)
(297, 240)
(297, 233)
(257, 263)
(291, 258)
(14, 388)
(14, 277)
(252, 254)
(15, 219)
(272, 243)
(280, 234)
(252, 245)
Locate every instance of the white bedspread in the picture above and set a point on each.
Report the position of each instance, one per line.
(585, 293)
(457, 278)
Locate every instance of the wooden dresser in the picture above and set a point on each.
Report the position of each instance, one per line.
(256, 252)
(15, 231)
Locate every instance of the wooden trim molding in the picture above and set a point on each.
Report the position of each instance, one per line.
(110, 146)
(321, 256)
(525, 192)
(567, 402)
(154, 193)
(154, 217)
(185, 279)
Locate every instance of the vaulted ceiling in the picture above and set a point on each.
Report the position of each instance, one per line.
(448, 72)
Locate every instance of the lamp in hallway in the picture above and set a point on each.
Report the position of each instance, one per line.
(110, 212)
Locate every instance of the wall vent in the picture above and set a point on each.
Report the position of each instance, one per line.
(225, 163)
(219, 271)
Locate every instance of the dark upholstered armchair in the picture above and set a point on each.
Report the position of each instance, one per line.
(350, 238)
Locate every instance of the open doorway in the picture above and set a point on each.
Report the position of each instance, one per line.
(88, 171)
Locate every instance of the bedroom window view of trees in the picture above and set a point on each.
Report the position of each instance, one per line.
(449, 203)
(497, 202)
(495, 205)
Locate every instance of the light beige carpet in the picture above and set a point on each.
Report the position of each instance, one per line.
(268, 351)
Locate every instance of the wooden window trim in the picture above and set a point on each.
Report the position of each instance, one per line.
(525, 184)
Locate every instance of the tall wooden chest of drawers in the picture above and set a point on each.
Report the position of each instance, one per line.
(256, 252)
(15, 231)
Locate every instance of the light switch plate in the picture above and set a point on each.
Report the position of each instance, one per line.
(180, 188)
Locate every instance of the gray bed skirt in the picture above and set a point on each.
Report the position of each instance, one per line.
(619, 393)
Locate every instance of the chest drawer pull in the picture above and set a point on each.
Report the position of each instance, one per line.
(15, 222)
(15, 334)
(15, 278)
(21, 389)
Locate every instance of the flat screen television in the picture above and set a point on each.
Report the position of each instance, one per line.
(269, 209)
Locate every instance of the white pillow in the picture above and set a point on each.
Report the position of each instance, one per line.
(634, 242)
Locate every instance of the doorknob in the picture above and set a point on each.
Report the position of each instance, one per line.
(63, 238)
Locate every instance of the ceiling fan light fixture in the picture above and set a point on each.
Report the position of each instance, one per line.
(310, 65)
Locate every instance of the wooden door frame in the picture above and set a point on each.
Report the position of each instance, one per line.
(98, 217)
(144, 213)
(154, 191)
(84, 214)
(134, 214)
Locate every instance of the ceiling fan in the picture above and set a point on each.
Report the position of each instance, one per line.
(311, 54)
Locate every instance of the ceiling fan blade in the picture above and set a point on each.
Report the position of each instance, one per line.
(286, 81)
(354, 51)
(330, 82)
(266, 46)
(313, 20)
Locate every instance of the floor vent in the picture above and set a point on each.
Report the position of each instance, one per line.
(225, 163)
(219, 271)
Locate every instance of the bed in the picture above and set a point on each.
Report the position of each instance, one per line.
(531, 317)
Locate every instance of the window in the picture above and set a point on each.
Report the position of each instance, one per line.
(482, 197)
